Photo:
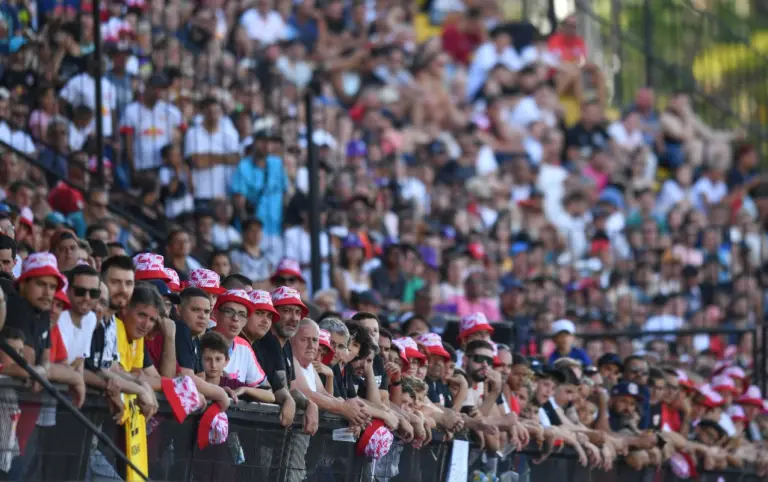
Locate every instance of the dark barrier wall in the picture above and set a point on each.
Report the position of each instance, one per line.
(259, 449)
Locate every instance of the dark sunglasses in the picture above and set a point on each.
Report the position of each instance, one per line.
(92, 293)
(287, 281)
(482, 359)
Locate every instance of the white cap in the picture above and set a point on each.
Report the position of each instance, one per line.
(563, 325)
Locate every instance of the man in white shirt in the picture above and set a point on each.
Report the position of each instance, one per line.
(264, 24)
(213, 151)
(498, 50)
(20, 140)
(78, 323)
(81, 90)
(150, 125)
(710, 189)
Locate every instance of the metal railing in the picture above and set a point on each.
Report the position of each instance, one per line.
(677, 46)
(258, 448)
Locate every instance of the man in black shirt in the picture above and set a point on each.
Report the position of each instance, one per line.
(370, 322)
(194, 313)
(588, 135)
(269, 353)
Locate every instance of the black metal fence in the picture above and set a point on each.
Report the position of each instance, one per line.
(715, 50)
(258, 448)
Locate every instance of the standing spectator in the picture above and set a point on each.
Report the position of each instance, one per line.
(249, 260)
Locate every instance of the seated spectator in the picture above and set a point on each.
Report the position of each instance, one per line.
(215, 356)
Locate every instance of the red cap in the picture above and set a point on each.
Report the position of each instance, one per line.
(434, 345)
(476, 250)
(474, 323)
(325, 340)
(376, 441)
(149, 266)
(37, 265)
(723, 384)
(285, 296)
(262, 300)
(207, 280)
(289, 267)
(751, 397)
(173, 280)
(408, 349)
(61, 295)
(182, 396)
(235, 296)
(213, 428)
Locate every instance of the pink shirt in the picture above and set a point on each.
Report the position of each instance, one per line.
(485, 306)
(600, 178)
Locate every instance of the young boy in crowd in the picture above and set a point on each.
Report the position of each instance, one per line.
(215, 350)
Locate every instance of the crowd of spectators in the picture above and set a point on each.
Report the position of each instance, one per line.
(471, 170)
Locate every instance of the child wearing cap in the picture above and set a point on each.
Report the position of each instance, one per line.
(215, 354)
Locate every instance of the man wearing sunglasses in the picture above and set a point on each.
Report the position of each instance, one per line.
(78, 323)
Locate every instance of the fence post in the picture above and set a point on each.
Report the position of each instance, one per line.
(99, 116)
(314, 187)
(616, 48)
(648, 41)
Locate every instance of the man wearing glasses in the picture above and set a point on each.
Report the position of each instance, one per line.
(231, 312)
(78, 323)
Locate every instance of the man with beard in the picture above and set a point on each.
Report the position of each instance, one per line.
(255, 331)
(624, 415)
(275, 351)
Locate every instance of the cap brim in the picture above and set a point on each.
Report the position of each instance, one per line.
(150, 275)
(293, 302)
(476, 329)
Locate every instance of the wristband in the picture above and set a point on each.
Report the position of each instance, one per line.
(395, 384)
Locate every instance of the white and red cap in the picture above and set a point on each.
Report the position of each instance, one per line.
(289, 267)
(286, 296)
(376, 441)
(684, 380)
(711, 398)
(61, 295)
(213, 428)
(408, 348)
(723, 383)
(262, 300)
(149, 266)
(325, 340)
(736, 412)
(720, 366)
(683, 465)
(37, 265)
(182, 396)
(174, 284)
(751, 397)
(27, 217)
(207, 280)
(474, 323)
(735, 372)
(434, 345)
(235, 296)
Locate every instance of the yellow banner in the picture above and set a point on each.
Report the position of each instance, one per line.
(135, 439)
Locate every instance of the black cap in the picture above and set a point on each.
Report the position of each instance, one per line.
(158, 80)
(98, 248)
(611, 359)
(165, 291)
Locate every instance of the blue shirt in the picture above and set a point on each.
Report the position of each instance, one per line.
(267, 198)
(575, 353)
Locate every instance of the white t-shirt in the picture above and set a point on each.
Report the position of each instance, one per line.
(663, 323)
(77, 137)
(266, 29)
(211, 182)
(706, 190)
(224, 237)
(309, 375)
(5, 133)
(152, 130)
(628, 140)
(21, 141)
(81, 90)
(243, 364)
(77, 340)
(298, 246)
(485, 58)
(524, 112)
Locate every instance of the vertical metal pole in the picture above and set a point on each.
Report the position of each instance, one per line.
(648, 41)
(314, 189)
(616, 44)
(97, 78)
(763, 354)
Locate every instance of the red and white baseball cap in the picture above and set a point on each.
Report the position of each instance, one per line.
(182, 396)
(174, 284)
(434, 345)
(207, 280)
(376, 441)
(751, 397)
(474, 323)
(735, 372)
(262, 300)
(711, 398)
(683, 465)
(723, 384)
(213, 428)
(325, 340)
(27, 217)
(149, 266)
(37, 265)
(285, 296)
(408, 348)
(287, 267)
(235, 296)
(736, 412)
(684, 380)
